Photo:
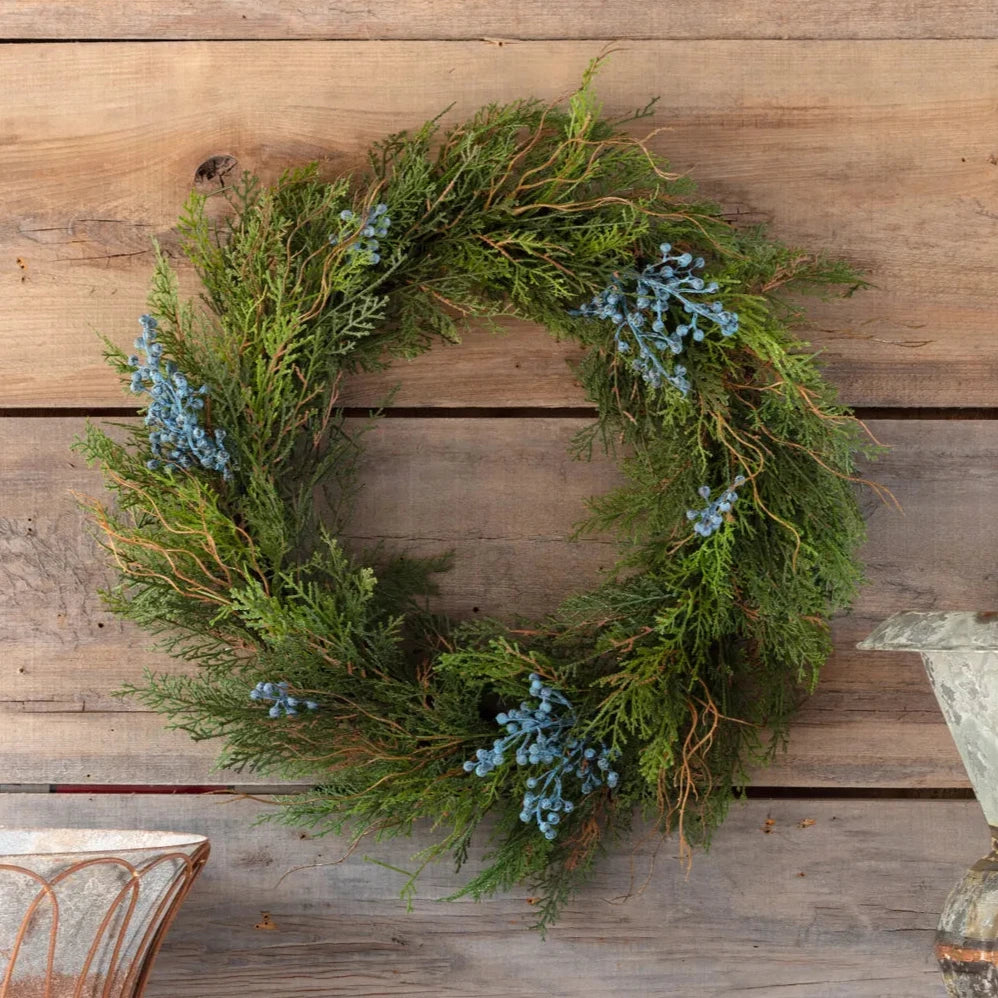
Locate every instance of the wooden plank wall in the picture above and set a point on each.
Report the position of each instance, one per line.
(869, 129)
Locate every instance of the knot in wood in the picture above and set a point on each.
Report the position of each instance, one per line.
(212, 172)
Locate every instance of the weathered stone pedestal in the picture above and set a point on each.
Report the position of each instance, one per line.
(960, 652)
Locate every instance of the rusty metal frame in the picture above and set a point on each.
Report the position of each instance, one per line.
(120, 981)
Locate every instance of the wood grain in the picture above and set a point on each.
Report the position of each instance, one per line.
(843, 907)
(882, 150)
(864, 747)
(501, 23)
(503, 494)
(857, 148)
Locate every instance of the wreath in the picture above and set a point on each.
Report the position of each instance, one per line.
(737, 520)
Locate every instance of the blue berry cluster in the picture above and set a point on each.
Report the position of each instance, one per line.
(278, 694)
(375, 223)
(656, 291)
(177, 439)
(536, 735)
(711, 516)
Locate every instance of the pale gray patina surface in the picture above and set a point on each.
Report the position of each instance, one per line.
(80, 909)
(960, 651)
(939, 631)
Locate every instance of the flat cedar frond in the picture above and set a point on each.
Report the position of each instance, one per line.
(736, 518)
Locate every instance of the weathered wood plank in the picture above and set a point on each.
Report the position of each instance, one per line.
(429, 485)
(101, 748)
(495, 22)
(504, 495)
(842, 908)
(493, 489)
(847, 749)
(856, 148)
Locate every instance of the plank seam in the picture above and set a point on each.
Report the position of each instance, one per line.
(500, 42)
(749, 793)
(501, 412)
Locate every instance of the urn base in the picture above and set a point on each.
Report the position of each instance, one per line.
(967, 939)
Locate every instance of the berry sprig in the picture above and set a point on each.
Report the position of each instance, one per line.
(374, 223)
(711, 517)
(178, 440)
(657, 290)
(536, 735)
(282, 701)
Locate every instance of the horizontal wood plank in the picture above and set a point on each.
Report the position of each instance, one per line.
(131, 748)
(853, 148)
(503, 494)
(102, 748)
(837, 900)
(495, 23)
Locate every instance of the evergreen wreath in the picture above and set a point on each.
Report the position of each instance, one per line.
(737, 522)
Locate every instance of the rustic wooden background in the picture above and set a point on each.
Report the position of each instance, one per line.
(868, 128)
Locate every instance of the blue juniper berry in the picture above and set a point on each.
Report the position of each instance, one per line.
(277, 693)
(711, 516)
(375, 223)
(639, 305)
(177, 439)
(536, 735)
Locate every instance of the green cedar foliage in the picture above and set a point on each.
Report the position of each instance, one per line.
(691, 657)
